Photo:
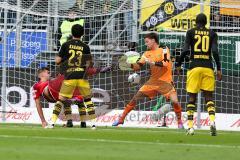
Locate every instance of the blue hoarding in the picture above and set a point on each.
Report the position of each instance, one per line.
(32, 43)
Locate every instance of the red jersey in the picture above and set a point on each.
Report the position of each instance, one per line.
(54, 86)
(38, 89)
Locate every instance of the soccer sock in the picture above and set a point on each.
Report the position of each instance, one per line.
(127, 109)
(211, 110)
(82, 111)
(67, 109)
(56, 111)
(190, 111)
(90, 108)
(68, 112)
(178, 111)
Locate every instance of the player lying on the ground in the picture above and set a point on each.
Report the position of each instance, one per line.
(160, 81)
(49, 90)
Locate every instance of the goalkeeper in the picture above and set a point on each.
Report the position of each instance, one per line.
(160, 81)
(49, 90)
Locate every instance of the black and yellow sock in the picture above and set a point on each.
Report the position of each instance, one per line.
(67, 110)
(90, 108)
(190, 112)
(56, 111)
(211, 110)
(82, 111)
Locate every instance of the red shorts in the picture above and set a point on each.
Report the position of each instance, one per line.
(54, 87)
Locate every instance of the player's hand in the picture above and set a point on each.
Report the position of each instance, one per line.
(178, 70)
(44, 124)
(219, 75)
(91, 71)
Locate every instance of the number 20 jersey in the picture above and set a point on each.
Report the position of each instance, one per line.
(201, 41)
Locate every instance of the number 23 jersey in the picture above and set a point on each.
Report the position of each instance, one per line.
(74, 54)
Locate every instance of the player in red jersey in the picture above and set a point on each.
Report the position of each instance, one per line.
(49, 89)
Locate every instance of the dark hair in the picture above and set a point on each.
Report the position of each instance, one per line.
(72, 10)
(77, 31)
(132, 46)
(152, 35)
(201, 19)
(40, 70)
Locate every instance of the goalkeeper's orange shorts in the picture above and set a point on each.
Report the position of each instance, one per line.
(154, 87)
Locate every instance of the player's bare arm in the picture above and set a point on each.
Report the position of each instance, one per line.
(59, 57)
(40, 112)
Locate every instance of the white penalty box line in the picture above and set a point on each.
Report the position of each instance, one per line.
(123, 142)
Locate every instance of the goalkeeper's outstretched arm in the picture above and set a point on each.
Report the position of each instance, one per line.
(136, 66)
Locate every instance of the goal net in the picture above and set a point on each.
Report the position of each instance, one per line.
(30, 39)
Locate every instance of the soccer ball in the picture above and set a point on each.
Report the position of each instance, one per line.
(134, 78)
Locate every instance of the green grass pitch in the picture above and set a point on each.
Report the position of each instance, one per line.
(31, 142)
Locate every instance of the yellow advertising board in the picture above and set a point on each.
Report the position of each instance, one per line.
(170, 14)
